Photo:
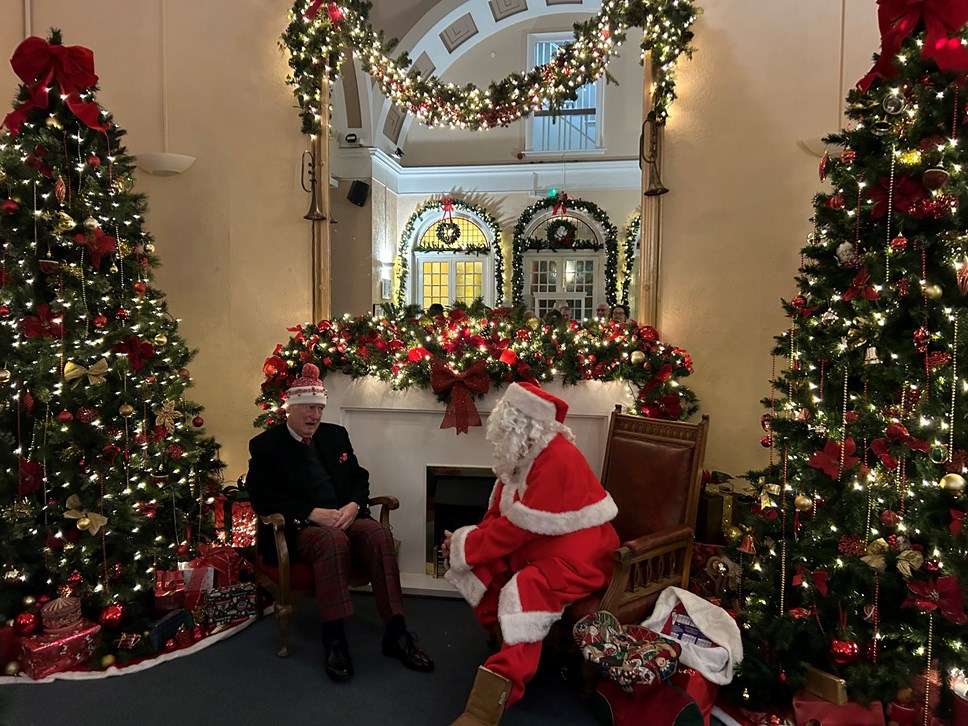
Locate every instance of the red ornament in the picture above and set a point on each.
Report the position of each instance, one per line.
(835, 202)
(121, 314)
(198, 422)
(184, 373)
(799, 302)
(174, 451)
(100, 321)
(890, 519)
(182, 550)
(4, 311)
(197, 633)
(766, 422)
(113, 616)
(86, 414)
(75, 579)
(824, 160)
(140, 288)
(933, 567)
(844, 652)
(9, 206)
(848, 156)
(766, 442)
(899, 243)
(922, 336)
(94, 161)
(65, 417)
(26, 624)
(169, 644)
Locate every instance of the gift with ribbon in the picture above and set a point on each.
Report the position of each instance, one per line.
(214, 567)
(39, 64)
(458, 389)
(54, 652)
(169, 590)
(74, 373)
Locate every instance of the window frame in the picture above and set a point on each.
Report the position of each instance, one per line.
(560, 294)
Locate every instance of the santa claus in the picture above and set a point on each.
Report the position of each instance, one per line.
(544, 542)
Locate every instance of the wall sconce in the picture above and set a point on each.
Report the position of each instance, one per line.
(386, 280)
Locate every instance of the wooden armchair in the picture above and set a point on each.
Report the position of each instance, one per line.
(653, 470)
(288, 580)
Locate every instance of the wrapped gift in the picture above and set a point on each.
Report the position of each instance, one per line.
(229, 604)
(234, 518)
(46, 653)
(167, 627)
(8, 645)
(169, 590)
(959, 711)
(702, 691)
(808, 707)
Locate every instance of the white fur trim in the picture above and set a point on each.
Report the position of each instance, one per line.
(467, 584)
(518, 626)
(458, 560)
(530, 404)
(555, 523)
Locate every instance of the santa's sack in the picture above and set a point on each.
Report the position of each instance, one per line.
(664, 705)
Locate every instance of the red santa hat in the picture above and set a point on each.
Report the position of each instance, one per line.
(307, 389)
(536, 403)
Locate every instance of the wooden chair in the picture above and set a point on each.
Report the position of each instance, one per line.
(288, 580)
(653, 470)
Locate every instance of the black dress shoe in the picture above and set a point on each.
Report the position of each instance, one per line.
(405, 649)
(339, 667)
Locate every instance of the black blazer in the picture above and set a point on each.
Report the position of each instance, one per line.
(279, 472)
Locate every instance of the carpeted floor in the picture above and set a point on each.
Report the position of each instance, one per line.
(240, 681)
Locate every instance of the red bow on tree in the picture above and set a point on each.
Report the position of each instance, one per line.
(332, 10)
(447, 204)
(98, 245)
(819, 578)
(36, 160)
(860, 288)
(136, 349)
(519, 369)
(461, 411)
(942, 20)
(560, 207)
(942, 594)
(38, 64)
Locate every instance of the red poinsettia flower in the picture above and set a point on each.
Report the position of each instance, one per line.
(942, 594)
(98, 245)
(31, 477)
(907, 192)
(860, 288)
(45, 323)
(665, 407)
(136, 349)
(828, 460)
(819, 578)
(879, 447)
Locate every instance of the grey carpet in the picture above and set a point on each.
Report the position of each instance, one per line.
(240, 681)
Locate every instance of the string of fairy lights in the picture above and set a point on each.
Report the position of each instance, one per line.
(318, 31)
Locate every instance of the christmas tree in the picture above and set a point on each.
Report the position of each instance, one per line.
(855, 557)
(105, 471)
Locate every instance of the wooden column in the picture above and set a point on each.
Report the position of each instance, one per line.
(322, 271)
(647, 294)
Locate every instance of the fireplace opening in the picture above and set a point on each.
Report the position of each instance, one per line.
(456, 496)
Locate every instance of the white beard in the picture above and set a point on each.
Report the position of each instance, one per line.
(515, 437)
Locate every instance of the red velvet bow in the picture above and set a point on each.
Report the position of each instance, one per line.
(942, 20)
(819, 578)
(957, 520)
(560, 207)
(332, 10)
(860, 288)
(448, 206)
(38, 63)
(461, 411)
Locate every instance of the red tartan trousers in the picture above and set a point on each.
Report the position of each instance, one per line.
(331, 551)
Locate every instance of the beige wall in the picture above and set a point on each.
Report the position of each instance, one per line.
(236, 250)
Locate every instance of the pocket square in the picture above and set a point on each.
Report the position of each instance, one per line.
(344, 457)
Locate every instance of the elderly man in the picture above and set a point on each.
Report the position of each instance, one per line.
(544, 542)
(307, 471)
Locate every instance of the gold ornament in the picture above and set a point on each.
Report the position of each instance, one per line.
(149, 249)
(113, 269)
(4, 375)
(12, 668)
(125, 248)
(73, 271)
(533, 323)
(803, 503)
(161, 339)
(18, 509)
(637, 357)
(932, 291)
(167, 416)
(108, 660)
(122, 184)
(126, 410)
(733, 533)
(29, 600)
(71, 452)
(909, 157)
(95, 374)
(63, 222)
(11, 576)
(52, 122)
(90, 223)
(426, 321)
(86, 521)
(953, 483)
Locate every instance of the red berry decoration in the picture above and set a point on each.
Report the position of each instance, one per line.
(100, 321)
(94, 161)
(26, 624)
(65, 417)
(844, 652)
(113, 616)
(174, 451)
(86, 414)
(198, 422)
(9, 206)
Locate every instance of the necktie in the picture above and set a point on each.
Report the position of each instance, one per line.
(306, 440)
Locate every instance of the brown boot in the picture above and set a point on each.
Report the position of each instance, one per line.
(485, 705)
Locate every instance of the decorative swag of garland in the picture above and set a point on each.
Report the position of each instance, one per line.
(521, 243)
(318, 31)
(453, 205)
(405, 346)
(632, 230)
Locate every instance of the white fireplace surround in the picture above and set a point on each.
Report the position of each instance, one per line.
(396, 435)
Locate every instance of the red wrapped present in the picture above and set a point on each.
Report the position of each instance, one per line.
(702, 691)
(169, 590)
(8, 645)
(808, 707)
(959, 711)
(41, 655)
(229, 604)
(234, 519)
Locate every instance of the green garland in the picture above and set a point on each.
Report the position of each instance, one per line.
(403, 265)
(318, 31)
(399, 348)
(632, 230)
(522, 244)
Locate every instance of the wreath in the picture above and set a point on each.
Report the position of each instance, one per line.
(448, 232)
(561, 233)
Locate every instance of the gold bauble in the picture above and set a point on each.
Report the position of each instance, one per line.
(126, 410)
(149, 249)
(637, 357)
(12, 668)
(533, 323)
(803, 503)
(953, 482)
(108, 660)
(733, 533)
(161, 339)
(84, 523)
(933, 292)
(63, 222)
(124, 248)
(29, 600)
(4, 375)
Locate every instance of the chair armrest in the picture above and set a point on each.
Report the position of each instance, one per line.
(278, 524)
(386, 504)
(646, 543)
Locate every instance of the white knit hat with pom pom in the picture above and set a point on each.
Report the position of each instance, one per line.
(307, 389)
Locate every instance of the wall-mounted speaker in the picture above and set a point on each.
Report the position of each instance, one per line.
(359, 191)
